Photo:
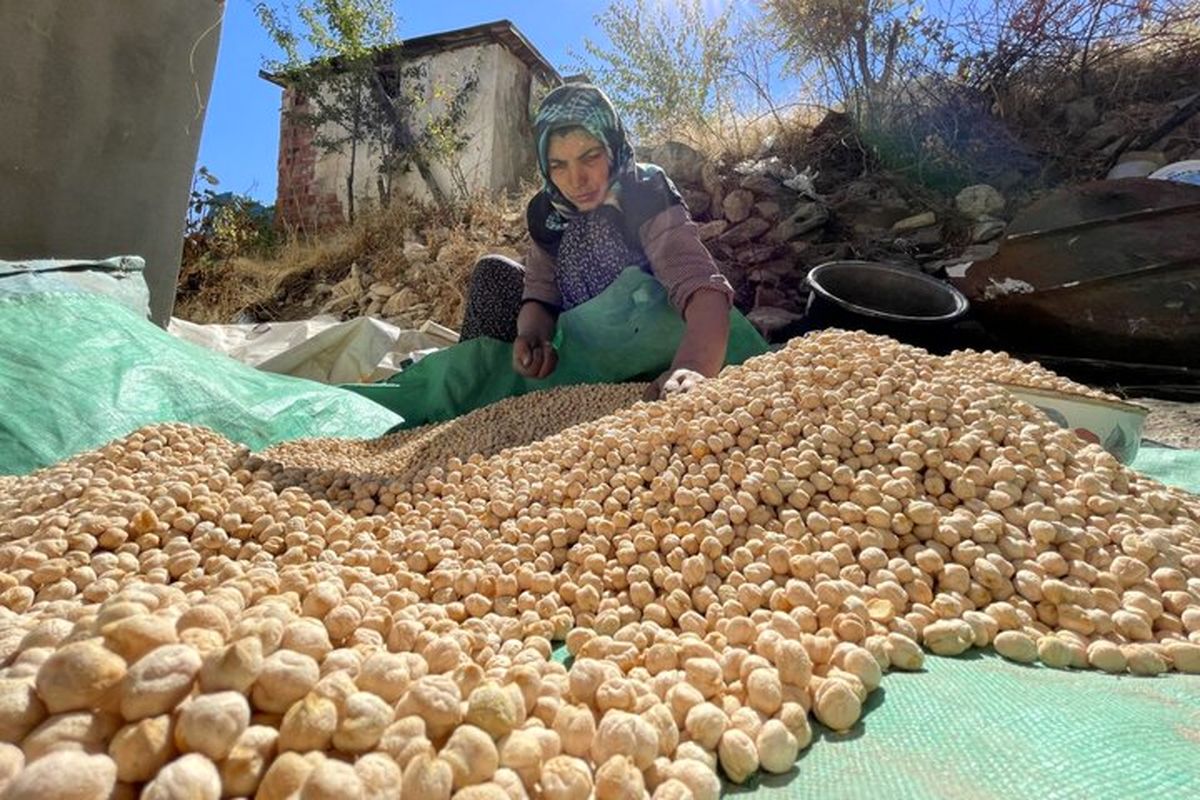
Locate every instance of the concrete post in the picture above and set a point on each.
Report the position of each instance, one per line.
(102, 103)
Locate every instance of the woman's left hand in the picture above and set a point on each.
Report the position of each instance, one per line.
(673, 381)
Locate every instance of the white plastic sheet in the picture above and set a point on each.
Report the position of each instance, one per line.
(324, 349)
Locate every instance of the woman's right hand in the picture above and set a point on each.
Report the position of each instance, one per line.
(533, 356)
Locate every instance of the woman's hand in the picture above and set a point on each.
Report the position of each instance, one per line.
(533, 356)
(673, 381)
(701, 351)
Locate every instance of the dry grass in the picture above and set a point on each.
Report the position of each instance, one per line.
(294, 283)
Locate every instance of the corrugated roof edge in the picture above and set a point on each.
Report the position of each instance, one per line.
(501, 31)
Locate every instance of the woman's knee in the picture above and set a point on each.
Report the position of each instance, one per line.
(491, 269)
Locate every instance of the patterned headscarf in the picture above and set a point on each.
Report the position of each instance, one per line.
(580, 105)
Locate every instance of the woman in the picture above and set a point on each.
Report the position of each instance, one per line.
(599, 212)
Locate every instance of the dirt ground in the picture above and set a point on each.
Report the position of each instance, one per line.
(1173, 424)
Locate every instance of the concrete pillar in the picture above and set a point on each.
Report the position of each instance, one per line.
(102, 103)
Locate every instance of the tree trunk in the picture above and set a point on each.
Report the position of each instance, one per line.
(350, 180)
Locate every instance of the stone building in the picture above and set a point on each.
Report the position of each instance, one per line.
(512, 76)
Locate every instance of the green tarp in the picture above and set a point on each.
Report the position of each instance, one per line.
(1173, 467)
(78, 370)
(628, 332)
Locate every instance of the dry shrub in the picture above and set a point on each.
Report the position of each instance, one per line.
(295, 283)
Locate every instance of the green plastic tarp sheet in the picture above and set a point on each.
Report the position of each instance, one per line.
(628, 332)
(78, 370)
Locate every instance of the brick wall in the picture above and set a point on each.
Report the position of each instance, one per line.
(299, 202)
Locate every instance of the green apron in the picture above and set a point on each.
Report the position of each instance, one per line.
(629, 332)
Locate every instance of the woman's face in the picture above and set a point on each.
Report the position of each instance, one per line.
(579, 168)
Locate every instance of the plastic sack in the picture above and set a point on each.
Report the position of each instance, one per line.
(323, 349)
(79, 370)
(121, 277)
(629, 332)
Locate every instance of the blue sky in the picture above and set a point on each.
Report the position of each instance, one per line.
(241, 130)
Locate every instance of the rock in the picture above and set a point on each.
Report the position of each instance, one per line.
(746, 231)
(737, 205)
(1081, 115)
(710, 178)
(979, 201)
(339, 304)
(711, 230)
(682, 163)
(1103, 134)
(806, 217)
(770, 270)
(768, 210)
(769, 319)
(349, 287)
(381, 289)
(873, 203)
(756, 254)
(923, 239)
(976, 252)
(698, 201)
(915, 222)
(415, 252)
(760, 184)
(987, 229)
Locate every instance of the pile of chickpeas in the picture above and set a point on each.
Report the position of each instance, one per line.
(182, 618)
(486, 432)
(1004, 369)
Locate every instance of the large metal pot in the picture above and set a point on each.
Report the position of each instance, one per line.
(885, 299)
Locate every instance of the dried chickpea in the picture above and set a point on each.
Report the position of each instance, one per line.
(705, 724)
(1106, 656)
(738, 755)
(777, 747)
(700, 778)
(380, 777)
(566, 778)
(140, 749)
(331, 780)
(837, 706)
(619, 779)
(189, 776)
(1016, 646)
(68, 775)
(471, 754)
(309, 724)
(427, 776)
(210, 723)
(285, 777)
(78, 676)
(21, 710)
(363, 719)
(285, 677)
(243, 769)
(491, 709)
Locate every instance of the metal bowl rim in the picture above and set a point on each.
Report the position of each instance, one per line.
(960, 300)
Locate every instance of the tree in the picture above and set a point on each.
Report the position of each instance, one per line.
(856, 44)
(359, 96)
(331, 65)
(665, 65)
